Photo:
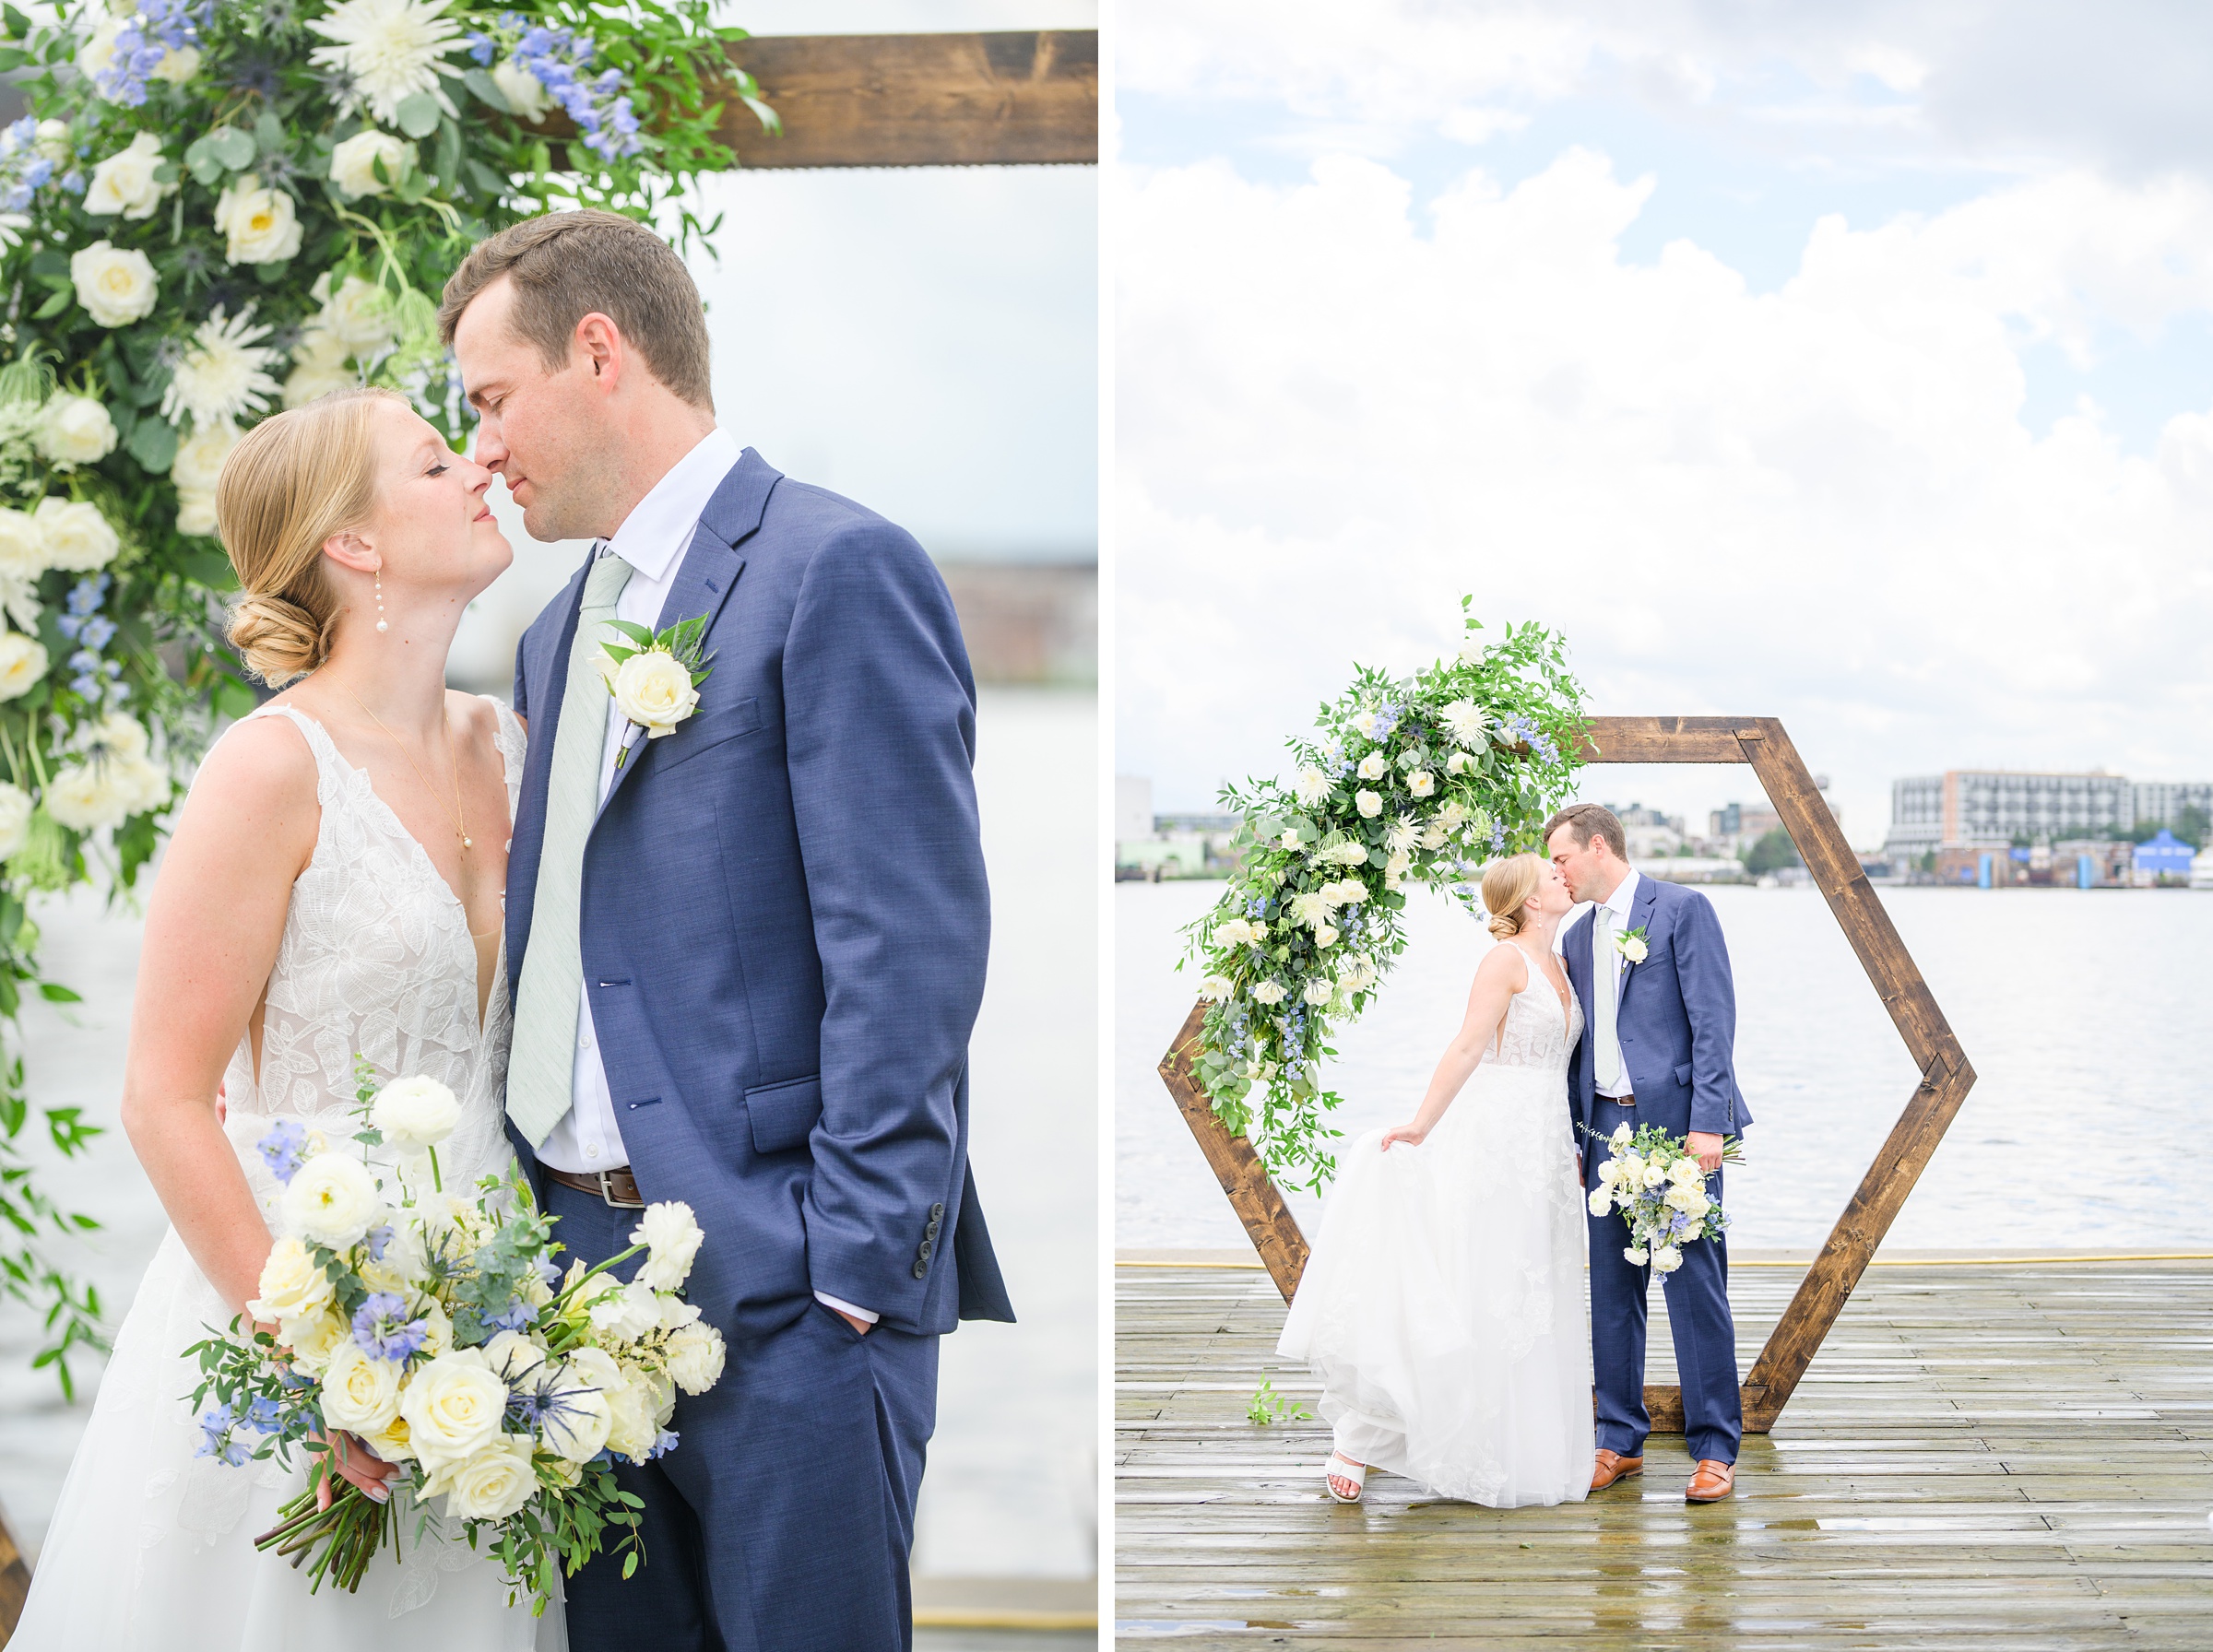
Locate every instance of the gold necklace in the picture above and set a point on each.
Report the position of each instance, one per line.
(460, 822)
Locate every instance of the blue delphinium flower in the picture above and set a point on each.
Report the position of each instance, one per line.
(663, 1444)
(517, 1316)
(378, 1237)
(261, 1416)
(283, 1148)
(218, 1439)
(383, 1329)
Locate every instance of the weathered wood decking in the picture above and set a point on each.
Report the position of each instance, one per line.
(2015, 1456)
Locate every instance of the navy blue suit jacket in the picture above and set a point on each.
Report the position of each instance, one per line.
(1677, 1017)
(784, 918)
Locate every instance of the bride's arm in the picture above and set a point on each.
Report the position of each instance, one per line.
(1498, 978)
(212, 926)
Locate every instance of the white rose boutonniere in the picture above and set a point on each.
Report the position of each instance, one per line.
(655, 677)
(1629, 943)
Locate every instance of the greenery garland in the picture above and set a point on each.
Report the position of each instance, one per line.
(213, 210)
(1420, 779)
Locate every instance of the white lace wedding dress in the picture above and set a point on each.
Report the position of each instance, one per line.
(152, 1547)
(1443, 1305)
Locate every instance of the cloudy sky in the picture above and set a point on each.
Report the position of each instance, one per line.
(1852, 364)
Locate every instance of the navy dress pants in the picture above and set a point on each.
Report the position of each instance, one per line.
(783, 1520)
(1698, 1312)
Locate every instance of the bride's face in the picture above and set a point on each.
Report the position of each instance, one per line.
(432, 527)
(1552, 898)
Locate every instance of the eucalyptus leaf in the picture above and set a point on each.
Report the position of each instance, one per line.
(154, 444)
(487, 90)
(418, 114)
(228, 145)
(268, 133)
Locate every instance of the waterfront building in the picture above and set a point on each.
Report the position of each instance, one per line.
(2164, 802)
(1987, 808)
(2162, 858)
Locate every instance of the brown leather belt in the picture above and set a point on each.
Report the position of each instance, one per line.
(618, 1188)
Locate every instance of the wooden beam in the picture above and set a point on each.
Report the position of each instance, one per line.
(15, 1584)
(1026, 98)
(1664, 740)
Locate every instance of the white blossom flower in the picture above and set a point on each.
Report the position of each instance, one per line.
(115, 287)
(125, 183)
(262, 224)
(1467, 720)
(1215, 988)
(1421, 783)
(1402, 834)
(1319, 991)
(1666, 1259)
(1364, 725)
(1326, 937)
(99, 50)
(524, 92)
(1269, 992)
(320, 365)
(353, 164)
(1312, 785)
(390, 49)
(15, 819)
(415, 1113)
(52, 139)
(1368, 803)
(360, 1391)
(331, 1198)
(76, 534)
(1290, 838)
(178, 64)
(673, 1237)
(491, 1483)
(292, 1283)
(222, 377)
(696, 1358)
(198, 463)
(359, 315)
(1236, 932)
(1599, 1199)
(1396, 867)
(79, 797)
(1459, 762)
(74, 430)
(1373, 766)
(653, 687)
(454, 1403)
(22, 664)
(1349, 854)
(1636, 1256)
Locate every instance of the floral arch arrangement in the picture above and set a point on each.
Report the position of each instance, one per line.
(1416, 780)
(211, 211)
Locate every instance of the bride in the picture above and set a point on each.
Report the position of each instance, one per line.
(1443, 1304)
(334, 887)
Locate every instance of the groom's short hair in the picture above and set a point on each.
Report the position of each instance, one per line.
(1588, 821)
(564, 266)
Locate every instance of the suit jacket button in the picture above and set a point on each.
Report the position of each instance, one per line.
(921, 1269)
(933, 1228)
(923, 1252)
(937, 1213)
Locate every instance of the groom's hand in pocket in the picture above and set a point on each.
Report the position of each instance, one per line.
(861, 1328)
(1707, 1146)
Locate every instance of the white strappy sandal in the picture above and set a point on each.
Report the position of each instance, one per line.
(1341, 1466)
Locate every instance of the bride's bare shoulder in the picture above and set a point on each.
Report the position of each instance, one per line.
(256, 784)
(1504, 965)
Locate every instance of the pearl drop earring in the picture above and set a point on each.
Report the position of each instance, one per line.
(381, 624)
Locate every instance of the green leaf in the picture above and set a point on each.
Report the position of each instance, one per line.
(10, 58)
(418, 115)
(17, 24)
(481, 83)
(53, 992)
(154, 444)
(449, 151)
(485, 179)
(228, 145)
(635, 631)
(55, 303)
(268, 133)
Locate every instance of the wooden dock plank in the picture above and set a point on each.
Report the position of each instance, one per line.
(1978, 1457)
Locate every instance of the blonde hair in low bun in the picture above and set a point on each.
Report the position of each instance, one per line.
(1507, 884)
(292, 481)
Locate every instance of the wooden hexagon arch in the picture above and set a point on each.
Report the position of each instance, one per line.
(1946, 1076)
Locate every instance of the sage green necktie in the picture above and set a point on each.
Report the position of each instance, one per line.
(541, 1063)
(1606, 992)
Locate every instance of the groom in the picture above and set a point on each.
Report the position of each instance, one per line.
(1659, 1025)
(745, 955)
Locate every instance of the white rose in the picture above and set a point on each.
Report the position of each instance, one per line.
(491, 1483)
(437, 1332)
(195, 512)
(178, 64)
(1318, 992)
(261, 223)
(1369, 805)
(353, 163)
(1313, 786)
(1679, 1198)
(1215, 988)
(415, 1113)
(78, 536)
(125, 182)
(115, 287)
(1684, 1173)
(120, 733)
(626, 1312)
(513, 1356)
(1396, 867)
(74, 430)
(696, 1358)
(23, 661)
(653, 690)
(1652, 1175)
(671, 1237)
(1421, 783)
(1325, 936)
(1268, 992)
(98, 53)
(359, 315)
(314, 1340)
(292, 1283)
(331, 1200)
(1434, 836)
(1600, 1200)
(577, 1408)
(79, 795)
(199, 460)
(360, 1391)
(1290, 838)
(391, 1442)
(1364, 725)
(1233, 932)
(15, 819)
(1622, 1136)
(452, 1404)
(1373, 767)
(1609, 1172)
(52, 139)
(1459, 762)
(320, 365)
(524, 92)
(1632, 948)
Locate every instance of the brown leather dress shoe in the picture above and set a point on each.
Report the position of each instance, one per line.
(1714, 1481)
(1612, 1466)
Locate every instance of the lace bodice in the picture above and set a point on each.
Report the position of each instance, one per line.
(376, 959)
(1535, 1033)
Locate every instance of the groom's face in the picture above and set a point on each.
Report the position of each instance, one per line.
(1591, 870)
(539, 430)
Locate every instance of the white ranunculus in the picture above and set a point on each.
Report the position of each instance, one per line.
(489, 1484)
(634, 1427)
(671, 1237)
(124, 182)
(261, 223)
(1318, 992)
(415, 1113)
(74, 430)
(1373, 766)
(654, 690)
(115, 287)
(331, 1200)
(200, 457)
(79, 795)
(360, 1391)
(1368, 804)
(524, 92)
(513, 1356)
(359, 315)
(696, 1358)
(1312, 785)
(15, 819)
(1466, 721)
(196, 511)
(78, 536)
(1326, 936)
(314, 1338)
(22, 663)
(625, 1312)
(353, 163)
(578, 1410)
(454, 1405)
(1666, 1259)
(1421, 783)
(1600, 1200)
(1215, 988)
(1636, 1256)
(1268, 992)
(292, 1283)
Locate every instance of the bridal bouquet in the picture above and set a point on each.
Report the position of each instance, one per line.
(438, 1330)
(1655, 1182)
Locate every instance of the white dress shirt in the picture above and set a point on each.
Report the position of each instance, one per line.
(652, 539)
(1618, 903)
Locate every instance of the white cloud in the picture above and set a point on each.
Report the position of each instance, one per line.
(1818, 502)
